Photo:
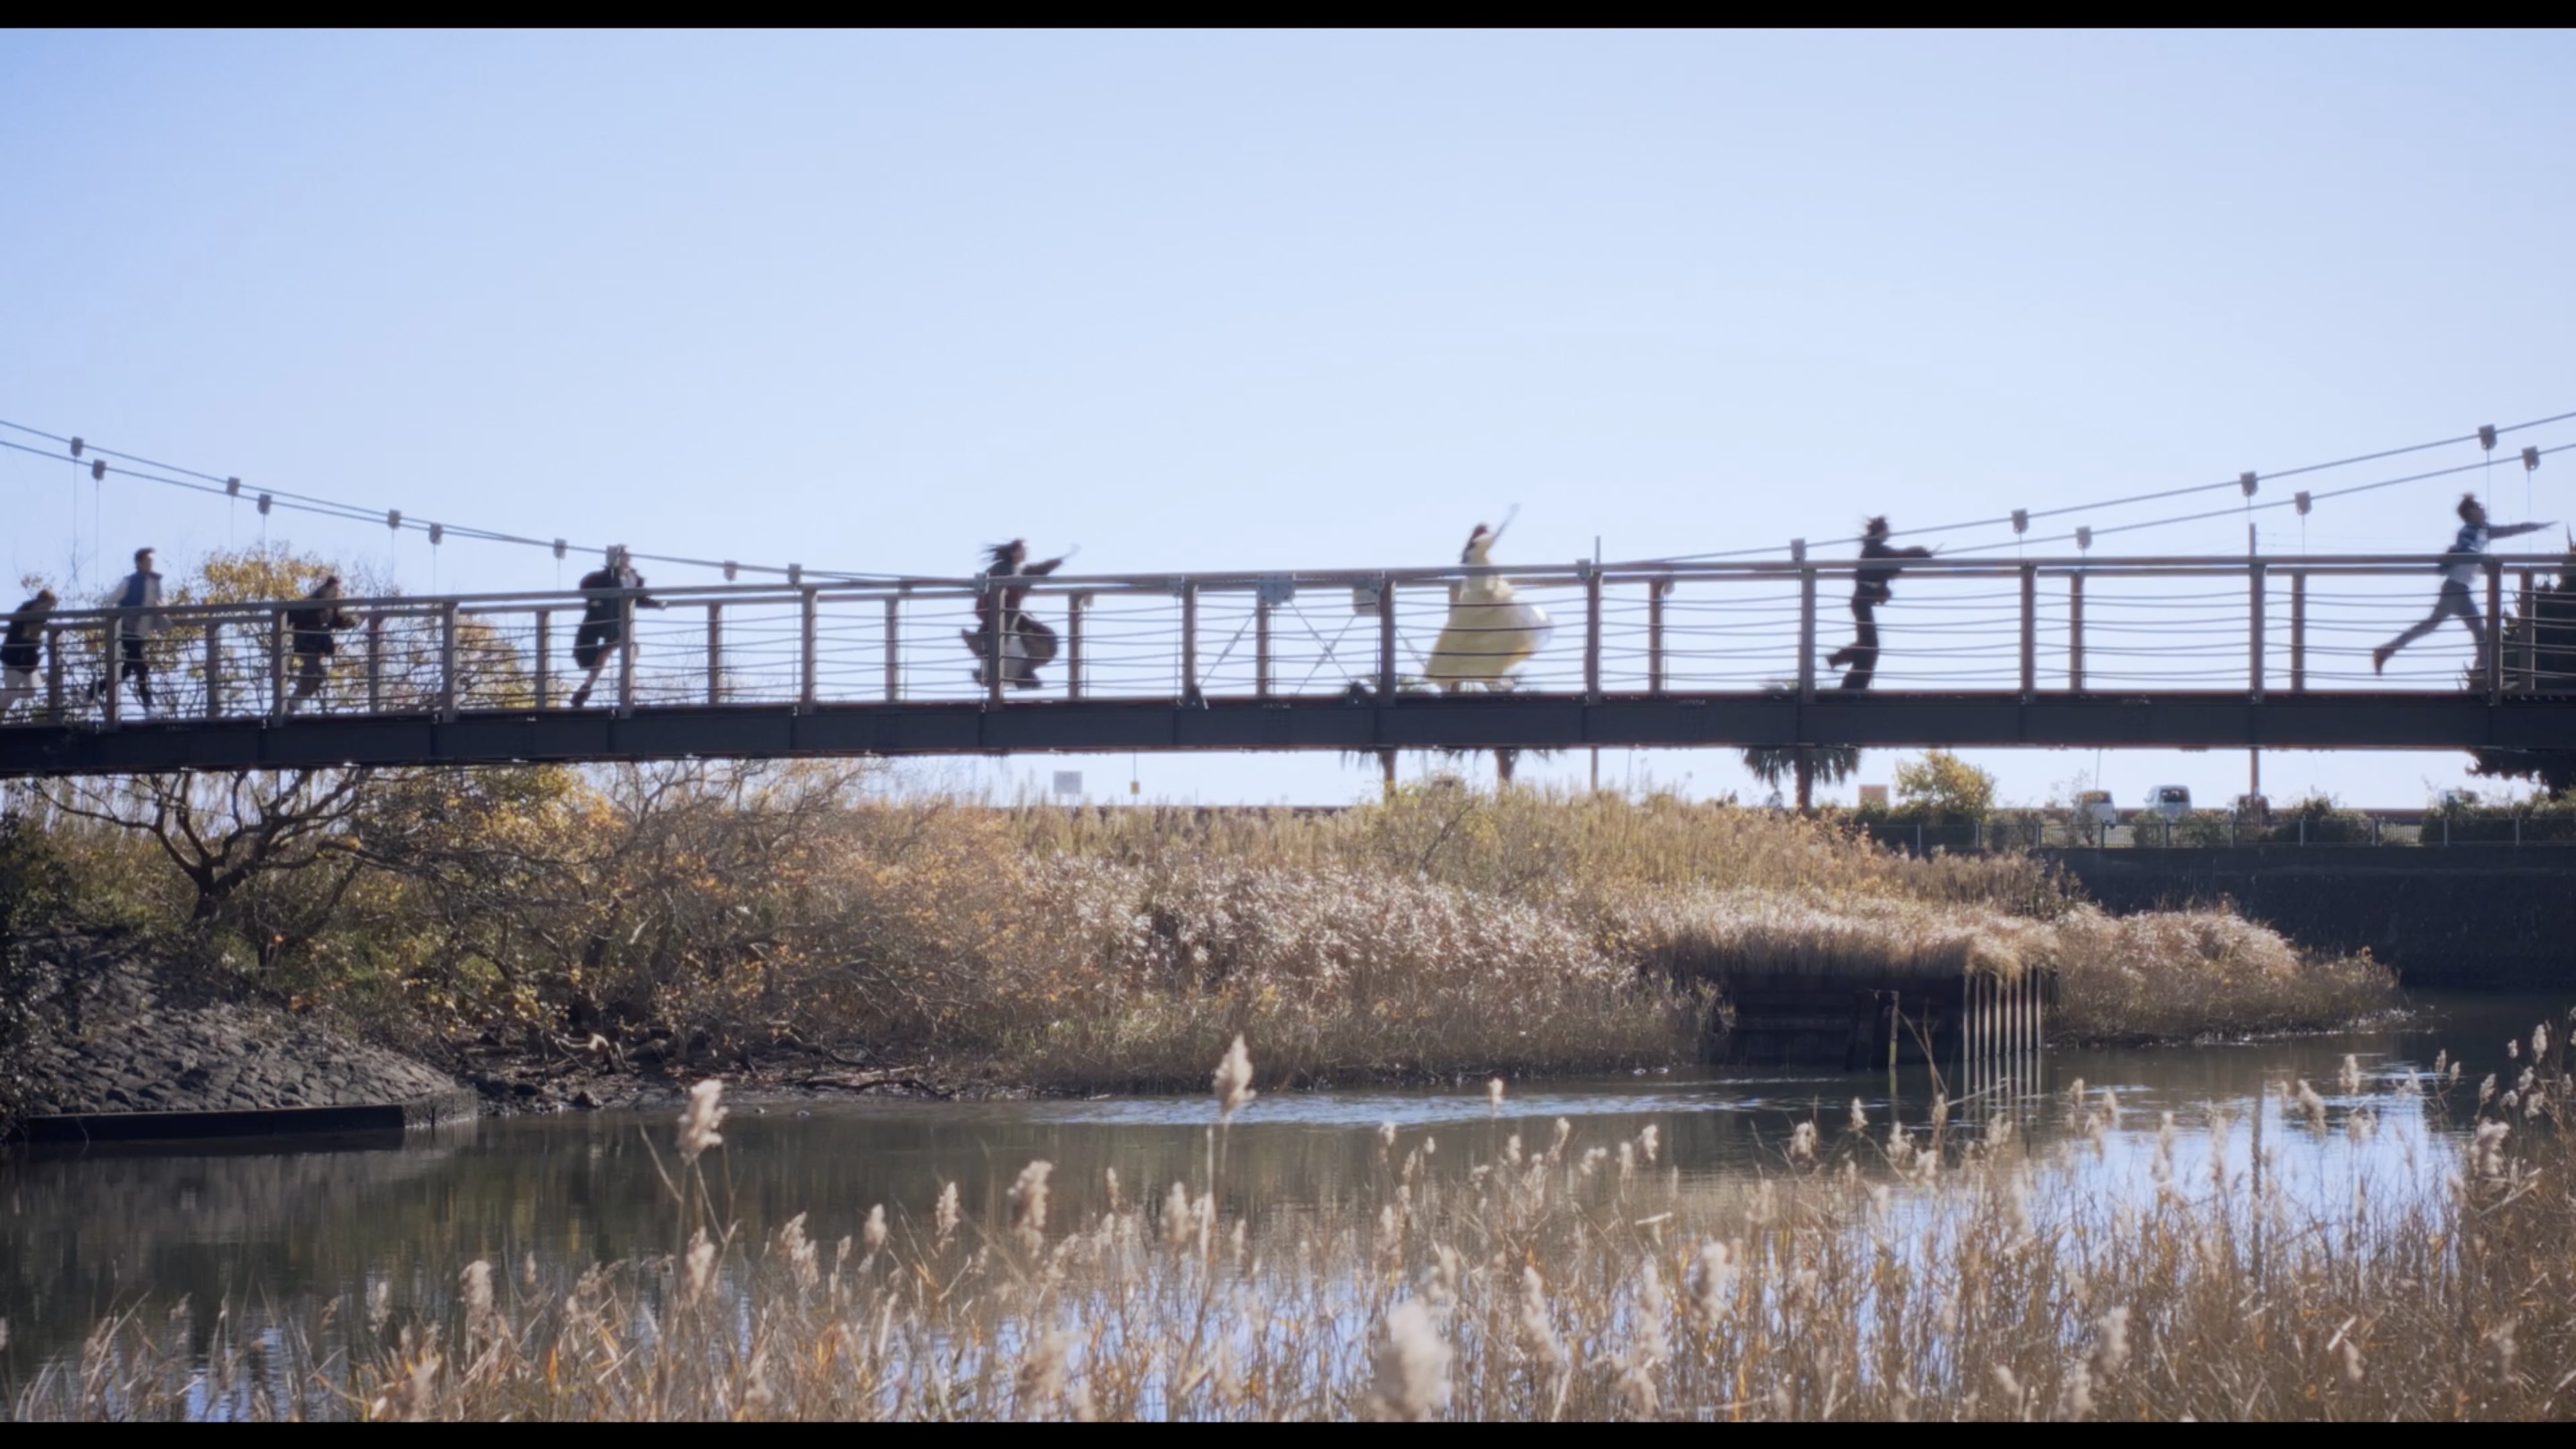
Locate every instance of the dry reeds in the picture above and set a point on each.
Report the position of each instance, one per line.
(1931, 1278)
(1441, 934)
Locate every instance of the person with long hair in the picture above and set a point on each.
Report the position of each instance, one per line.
(1024, 643)
(1490, 630)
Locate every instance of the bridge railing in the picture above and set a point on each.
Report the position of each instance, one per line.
(2016, 627)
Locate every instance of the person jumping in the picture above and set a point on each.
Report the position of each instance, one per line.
(1025, 642)
(2459, 570)
(1869, 590)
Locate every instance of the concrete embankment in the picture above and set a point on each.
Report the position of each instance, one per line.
(2488, 916)
(125, 1056)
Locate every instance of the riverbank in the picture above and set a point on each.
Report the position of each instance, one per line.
(560, 942)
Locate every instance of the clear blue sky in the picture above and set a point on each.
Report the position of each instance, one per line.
(1260, 300)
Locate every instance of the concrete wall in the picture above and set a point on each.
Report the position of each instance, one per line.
(2478, 916)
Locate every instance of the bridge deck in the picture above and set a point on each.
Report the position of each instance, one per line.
(2306, 721)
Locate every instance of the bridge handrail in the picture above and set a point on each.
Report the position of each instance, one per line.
(1232, 580)
(2171, 625)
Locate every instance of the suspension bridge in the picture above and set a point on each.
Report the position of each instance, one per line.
(2081, 651)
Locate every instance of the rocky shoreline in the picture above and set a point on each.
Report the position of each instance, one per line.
(123, 1039)
(120, 1037)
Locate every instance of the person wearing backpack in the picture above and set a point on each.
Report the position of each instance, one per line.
(310, 642)
(22, 652)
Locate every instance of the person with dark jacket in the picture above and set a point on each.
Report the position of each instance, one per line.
(140, 594)
(603, 618)
(1025, 643)
(1869, 590)
(310, 641)
(22, 652)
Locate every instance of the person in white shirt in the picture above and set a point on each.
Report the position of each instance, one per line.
(2459, 571)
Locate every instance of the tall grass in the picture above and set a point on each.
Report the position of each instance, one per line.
(1441, 934)
(1878, 1271)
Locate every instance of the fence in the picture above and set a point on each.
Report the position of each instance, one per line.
(2144, 627)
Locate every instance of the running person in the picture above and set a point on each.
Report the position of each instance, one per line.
(2459, 570)
(312, 644)
(1026, 643)
(1869, 590)
(603, 619)
(23, 650)
(141, 593)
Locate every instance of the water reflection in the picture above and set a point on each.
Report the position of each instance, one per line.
(85, 1234)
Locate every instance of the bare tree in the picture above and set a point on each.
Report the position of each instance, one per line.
(226, 829)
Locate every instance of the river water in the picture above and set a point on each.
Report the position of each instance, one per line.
(84, 1234)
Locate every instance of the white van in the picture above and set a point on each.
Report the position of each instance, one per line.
(2173, 802)
(2097, 806)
